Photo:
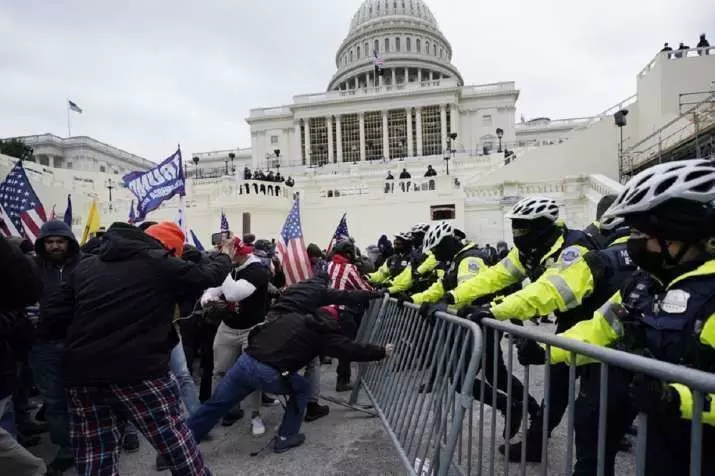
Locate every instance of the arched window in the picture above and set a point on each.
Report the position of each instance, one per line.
(351, 56)
(387, 45)
(427, 47)
(367, 49)
(397, 44)
(358, 52)
(441, 53)
(434, 49)
(418, 45)
(377, 46)
(102, 168)
(408, 43)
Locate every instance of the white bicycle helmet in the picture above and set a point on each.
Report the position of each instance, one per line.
(404, 236)
(692, 180)
(535, 207)
(610, 222)
(419, 228)
(436, 234)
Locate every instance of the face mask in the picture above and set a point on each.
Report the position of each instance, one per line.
(652, 262)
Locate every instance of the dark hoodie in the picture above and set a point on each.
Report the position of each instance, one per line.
(119, 304)
(53, 275)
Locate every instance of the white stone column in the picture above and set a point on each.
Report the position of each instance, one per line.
(394, 77)
(307, 140)
(419, 75)
(410, 148)
(295, 148)
(361, 118)
(339, 137)
(443, 126)
(385, 133)
(329, 124)
(418, 125)
(407, 75)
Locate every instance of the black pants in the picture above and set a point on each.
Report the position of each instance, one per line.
(619, 416)
(349, 324)
(668, 448)
(502, 376)
(206, 336)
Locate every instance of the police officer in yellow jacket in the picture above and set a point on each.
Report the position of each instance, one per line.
(416, 277)
(541, 243)
(395, 264)
(667, 310)
(464, 262)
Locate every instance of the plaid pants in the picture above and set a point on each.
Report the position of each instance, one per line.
(98, 416)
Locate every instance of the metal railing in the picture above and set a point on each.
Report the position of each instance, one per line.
(422, 394)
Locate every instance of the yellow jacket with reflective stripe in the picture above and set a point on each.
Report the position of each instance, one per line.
(428, 264)
(381, 275)
(508, 271)
(403, 281)
(605, 328)
(562, 287)
(465, 269)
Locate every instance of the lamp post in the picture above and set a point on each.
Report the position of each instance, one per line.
(277, 153)
(620, 119)
(452, 136)
(225, 170)
(500, 134)
(195, 159)
(110, 185)
(232, 156)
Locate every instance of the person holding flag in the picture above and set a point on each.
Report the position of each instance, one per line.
(21, 212)
(291, 248)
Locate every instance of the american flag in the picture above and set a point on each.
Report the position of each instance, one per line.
(379, 62)
(291, 248)
(21, 212)
(224, 222)
(341, 232)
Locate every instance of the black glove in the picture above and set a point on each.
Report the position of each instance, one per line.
(531, 353)
(476, 313)
(402, 298)
(651, 396)
(382, 290)
(429, 311)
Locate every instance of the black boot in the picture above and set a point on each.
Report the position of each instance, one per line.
(314, 411)
(533, 446)
(231, 417)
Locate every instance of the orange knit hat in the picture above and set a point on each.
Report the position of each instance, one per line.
(170, 236)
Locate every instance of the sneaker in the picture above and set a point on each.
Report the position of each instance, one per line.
(161, 463)
(257, 426)
(343, 387)
(269, 401)
(284, 443)
(231, 417)
(130, 443)
(315, 411)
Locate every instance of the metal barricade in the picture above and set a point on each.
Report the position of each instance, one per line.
(423, 392)
(609, 411)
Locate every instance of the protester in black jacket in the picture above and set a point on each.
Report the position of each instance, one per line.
(58, 254)
(290, 338)
(118, 307)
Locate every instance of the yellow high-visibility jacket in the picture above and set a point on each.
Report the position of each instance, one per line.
(562, 287)
(683, 297)
(510, 270)
(404, 281)
(467, 264)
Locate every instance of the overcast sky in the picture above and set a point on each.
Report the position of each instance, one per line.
(151, 73)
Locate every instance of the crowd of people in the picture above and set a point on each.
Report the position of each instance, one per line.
(267, 176)
(703, 47)
(109, 333)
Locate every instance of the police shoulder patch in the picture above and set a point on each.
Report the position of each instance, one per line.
(569, 255)
(473, 267)
(675, 301)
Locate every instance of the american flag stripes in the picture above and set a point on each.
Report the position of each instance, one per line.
(345, 276)
(224, 222)
(74, 107)
(21, 212)
(341, 232)
(291, 248)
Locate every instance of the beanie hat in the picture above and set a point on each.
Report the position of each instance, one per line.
(169, 235)
(314, 251)
(241, 248)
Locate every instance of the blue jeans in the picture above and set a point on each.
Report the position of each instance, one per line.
(245, 377)
(46, 364)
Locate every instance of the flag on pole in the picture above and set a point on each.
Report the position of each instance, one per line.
(132, 214)
(378, 62)
(291, 248)
(53, 215)
(341, 232)
(224, 222)
(156, 185)
(92, 224)
(68, 212)
(74, 107)
(21, 212)
(195, 241)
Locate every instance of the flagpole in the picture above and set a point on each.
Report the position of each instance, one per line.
(69, 127)
(182, 198)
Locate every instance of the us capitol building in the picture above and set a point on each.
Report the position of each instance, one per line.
(339, 145)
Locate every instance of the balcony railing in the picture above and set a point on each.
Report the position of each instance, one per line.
(675, 55)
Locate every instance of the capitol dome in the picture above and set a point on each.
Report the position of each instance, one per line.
(406, 37)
